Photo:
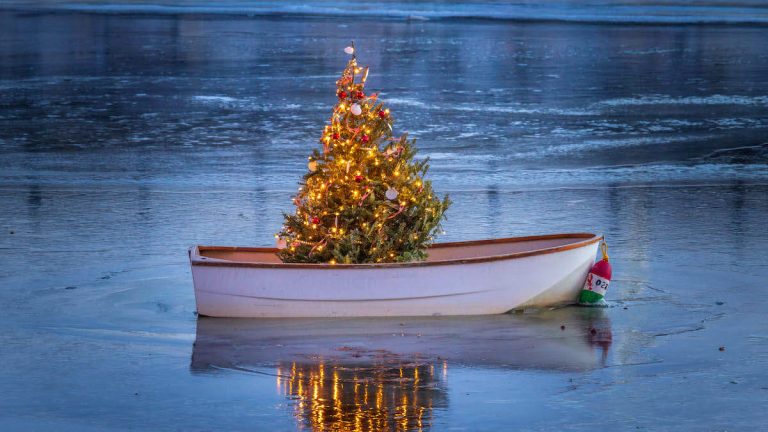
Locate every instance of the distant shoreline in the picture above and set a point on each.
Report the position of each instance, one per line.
(643, 15)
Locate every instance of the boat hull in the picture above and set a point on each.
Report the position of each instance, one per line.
(475, 285)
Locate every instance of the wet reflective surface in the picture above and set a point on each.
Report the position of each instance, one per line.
(127, 138)
(393, 374)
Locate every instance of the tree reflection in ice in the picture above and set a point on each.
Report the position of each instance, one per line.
(382, 396)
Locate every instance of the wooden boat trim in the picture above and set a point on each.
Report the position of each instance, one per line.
(589, 238)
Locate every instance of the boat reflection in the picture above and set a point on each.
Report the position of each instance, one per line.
(363, 374)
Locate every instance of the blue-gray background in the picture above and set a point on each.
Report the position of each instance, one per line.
(129, 131)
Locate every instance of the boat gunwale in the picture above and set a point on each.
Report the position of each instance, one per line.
(196, 259)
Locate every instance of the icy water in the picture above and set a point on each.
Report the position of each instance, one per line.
(132, 131)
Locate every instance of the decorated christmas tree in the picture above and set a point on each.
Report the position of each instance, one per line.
(364, 198)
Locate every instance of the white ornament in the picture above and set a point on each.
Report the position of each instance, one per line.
(392, 151)
(356, 110)
(312, 166)
(391, 193)
(349, 50)
(280, 243)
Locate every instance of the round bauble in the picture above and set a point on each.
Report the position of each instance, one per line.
(391, 193)
(349, 50)
(280, 243)
(356, 109)
(312, 165)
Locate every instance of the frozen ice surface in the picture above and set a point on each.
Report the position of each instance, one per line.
(126, 138)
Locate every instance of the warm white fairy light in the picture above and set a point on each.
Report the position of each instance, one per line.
(360, 184)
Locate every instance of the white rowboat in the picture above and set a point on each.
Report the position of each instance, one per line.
(462, 278)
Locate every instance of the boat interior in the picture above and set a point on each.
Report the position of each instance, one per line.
(438, 252)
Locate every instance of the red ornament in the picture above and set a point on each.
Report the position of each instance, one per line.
(342, 94)
(382, 114)
(315, 220)
(364, 138)
(360, 95)
(336, 136)
(358, 178)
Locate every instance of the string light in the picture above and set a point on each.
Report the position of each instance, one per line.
(354, 176)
